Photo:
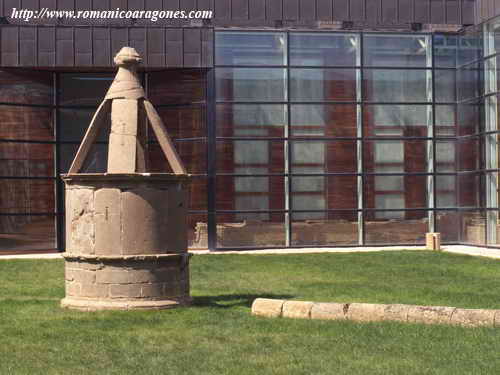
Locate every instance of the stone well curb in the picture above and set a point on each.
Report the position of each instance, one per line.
(368, 312)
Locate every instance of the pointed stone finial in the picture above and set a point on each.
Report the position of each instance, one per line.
(126, 84)
(130, 112)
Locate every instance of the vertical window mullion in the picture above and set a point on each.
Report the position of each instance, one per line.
(359, 135)
(431, 145)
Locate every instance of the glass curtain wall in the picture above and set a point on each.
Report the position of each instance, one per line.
(331, 138)
(491, 44)
(470, 139)
(27, 155)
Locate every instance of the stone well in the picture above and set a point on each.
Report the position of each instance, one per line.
(126, 230)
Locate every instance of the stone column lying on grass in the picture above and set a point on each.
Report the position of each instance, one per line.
(369, 312)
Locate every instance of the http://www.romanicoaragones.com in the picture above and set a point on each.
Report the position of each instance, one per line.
(152, 15)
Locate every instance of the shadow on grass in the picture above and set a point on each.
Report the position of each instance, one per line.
(232, 300)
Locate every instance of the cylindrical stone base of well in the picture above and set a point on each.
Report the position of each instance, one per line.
(126, 283)
(126, 242)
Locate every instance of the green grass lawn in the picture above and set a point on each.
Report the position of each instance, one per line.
(219, 336)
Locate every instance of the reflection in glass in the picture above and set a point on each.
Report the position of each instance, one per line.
(27, 233)
(96, 162)
(323, 49)
(252, 120)
(26, 123)
(26, 87)
(444, 84)
(395, 156)
(385, 85)
(197, 231)
(74, 124)
(398, 227)
(445, 50)
(448, 224)
(251, 84)
(250, 157)
(244, 48)
(244, 230)
(27, 196)
(330, 120)
(390, 115)
(468, 81)
(26, 159)
(322, 85)
(183, 122)
(395, 50)
(445, 156)
(445, 121)
(177, 87)
(446, 191)
(473, 227)
(323, 156)
(470, 47)
(250, 193)
(324, 228)
(471, 188)
(83, 89)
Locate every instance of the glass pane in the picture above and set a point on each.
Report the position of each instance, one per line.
(26, 159)
(197, 231)
(75, 122)
(396, 227)
(471, 190)
(395, 50)
(324, 192)
(329, 120)
(397, 116)
(395, 192)
(198, 194)
(19, 233)
(247, 48)
(470, 47)
(444, 84)
(311, 85)
(251, 84)
(251, 157)
(468, 81)
(319, 157)
(193, 155)
(185, 122)
(86, 89)
(250, 193)
(470, 117)
(323, 49)
(445, 156)
(26, 87)
(324, 228)
(252, 120)
(446, 121)
(97, 159)
(177, 86)
(25, 123)
(448, 224)
(473, 227)
(470, 154)
(446, 191)
(396, 86)
(395, 156)
(19, 196)
(445, 50)
(251, 230)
